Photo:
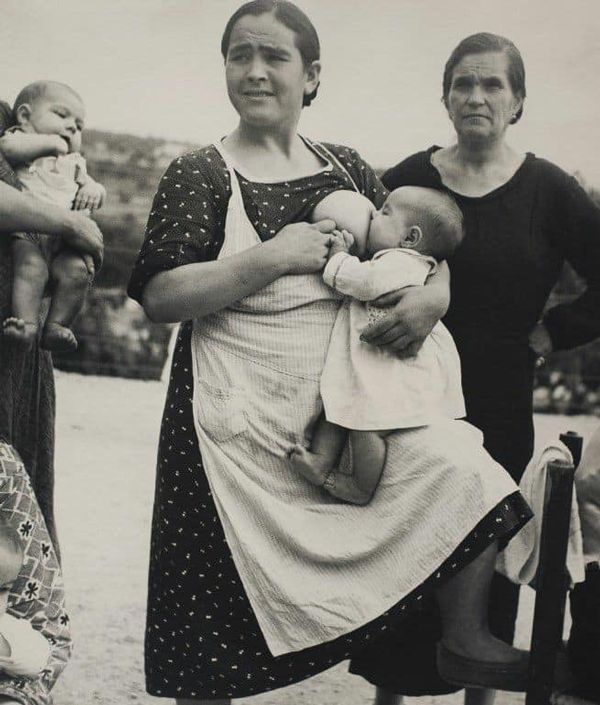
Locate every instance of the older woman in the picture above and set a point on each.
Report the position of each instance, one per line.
(257, 581)
(26, 377)
(524, 217)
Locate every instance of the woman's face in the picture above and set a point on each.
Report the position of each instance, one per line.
(266, 77)
(481, 102)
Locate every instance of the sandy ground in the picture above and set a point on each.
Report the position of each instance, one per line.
(107, 431)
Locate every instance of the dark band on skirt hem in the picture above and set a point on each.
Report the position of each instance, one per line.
(500, 524)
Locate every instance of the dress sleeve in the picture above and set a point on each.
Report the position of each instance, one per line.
(578, 322)
(38, 592)
(187, 220)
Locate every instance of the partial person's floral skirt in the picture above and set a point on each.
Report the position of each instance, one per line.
(38, 593)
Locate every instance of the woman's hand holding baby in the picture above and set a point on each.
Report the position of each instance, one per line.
(413, 313)
(303, 248)
(406, 326)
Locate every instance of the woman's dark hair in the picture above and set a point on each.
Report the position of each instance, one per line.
(484, 42)
(307, 40)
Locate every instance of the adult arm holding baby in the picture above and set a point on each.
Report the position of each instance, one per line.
(19, 211)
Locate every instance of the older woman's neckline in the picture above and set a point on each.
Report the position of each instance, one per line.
(246, 175)
(495, 191)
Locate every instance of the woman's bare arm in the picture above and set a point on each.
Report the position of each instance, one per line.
(19, 211)
(198, 289)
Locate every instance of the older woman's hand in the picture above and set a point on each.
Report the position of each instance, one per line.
(413, 313)
(304, 247)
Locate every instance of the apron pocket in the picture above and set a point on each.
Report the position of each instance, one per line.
(220, 411)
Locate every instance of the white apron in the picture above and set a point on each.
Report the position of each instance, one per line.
(314, 569)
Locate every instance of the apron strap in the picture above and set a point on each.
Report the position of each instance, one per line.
(322, 150)
(235, 186)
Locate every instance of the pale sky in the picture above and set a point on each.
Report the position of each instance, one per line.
(153, 67)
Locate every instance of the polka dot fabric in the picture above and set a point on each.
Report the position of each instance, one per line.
(187, 220)
(202, 638)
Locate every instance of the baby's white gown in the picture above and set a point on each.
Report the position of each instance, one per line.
(366, 388)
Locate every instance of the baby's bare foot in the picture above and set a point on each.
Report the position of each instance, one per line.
(311, 466)
(19, 330)
(58, 338)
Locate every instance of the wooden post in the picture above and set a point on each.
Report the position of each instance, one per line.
(574, 443)
(551, 584)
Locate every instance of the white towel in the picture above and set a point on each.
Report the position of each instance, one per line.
(519, 560)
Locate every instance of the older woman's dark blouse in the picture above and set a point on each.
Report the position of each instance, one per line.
(517, 240)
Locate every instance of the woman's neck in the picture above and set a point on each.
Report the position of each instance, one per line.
(248, 138)
(479, 156)
(476, 169)
(277, 155)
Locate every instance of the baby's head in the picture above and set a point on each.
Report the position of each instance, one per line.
(421, 219)
(51, 108)
(11, 560)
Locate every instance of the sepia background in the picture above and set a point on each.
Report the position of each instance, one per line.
(151, 75)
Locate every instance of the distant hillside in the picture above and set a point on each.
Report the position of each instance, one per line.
(127, 165)
(131, 150)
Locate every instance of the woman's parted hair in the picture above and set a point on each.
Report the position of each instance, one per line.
(484, 42)
(307, 39)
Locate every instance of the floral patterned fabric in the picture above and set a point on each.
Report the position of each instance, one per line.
(38, 593)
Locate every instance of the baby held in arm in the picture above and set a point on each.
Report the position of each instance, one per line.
(43, 148)
(369, 392)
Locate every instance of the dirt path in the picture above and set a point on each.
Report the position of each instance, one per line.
(107, 431)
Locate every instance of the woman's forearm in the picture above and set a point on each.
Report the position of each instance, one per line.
(19, 211)
(196, 290)
(438, 287)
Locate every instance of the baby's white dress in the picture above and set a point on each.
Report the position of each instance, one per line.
(366, 388)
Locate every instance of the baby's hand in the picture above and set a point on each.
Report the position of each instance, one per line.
(90, 196)
(342, 243)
